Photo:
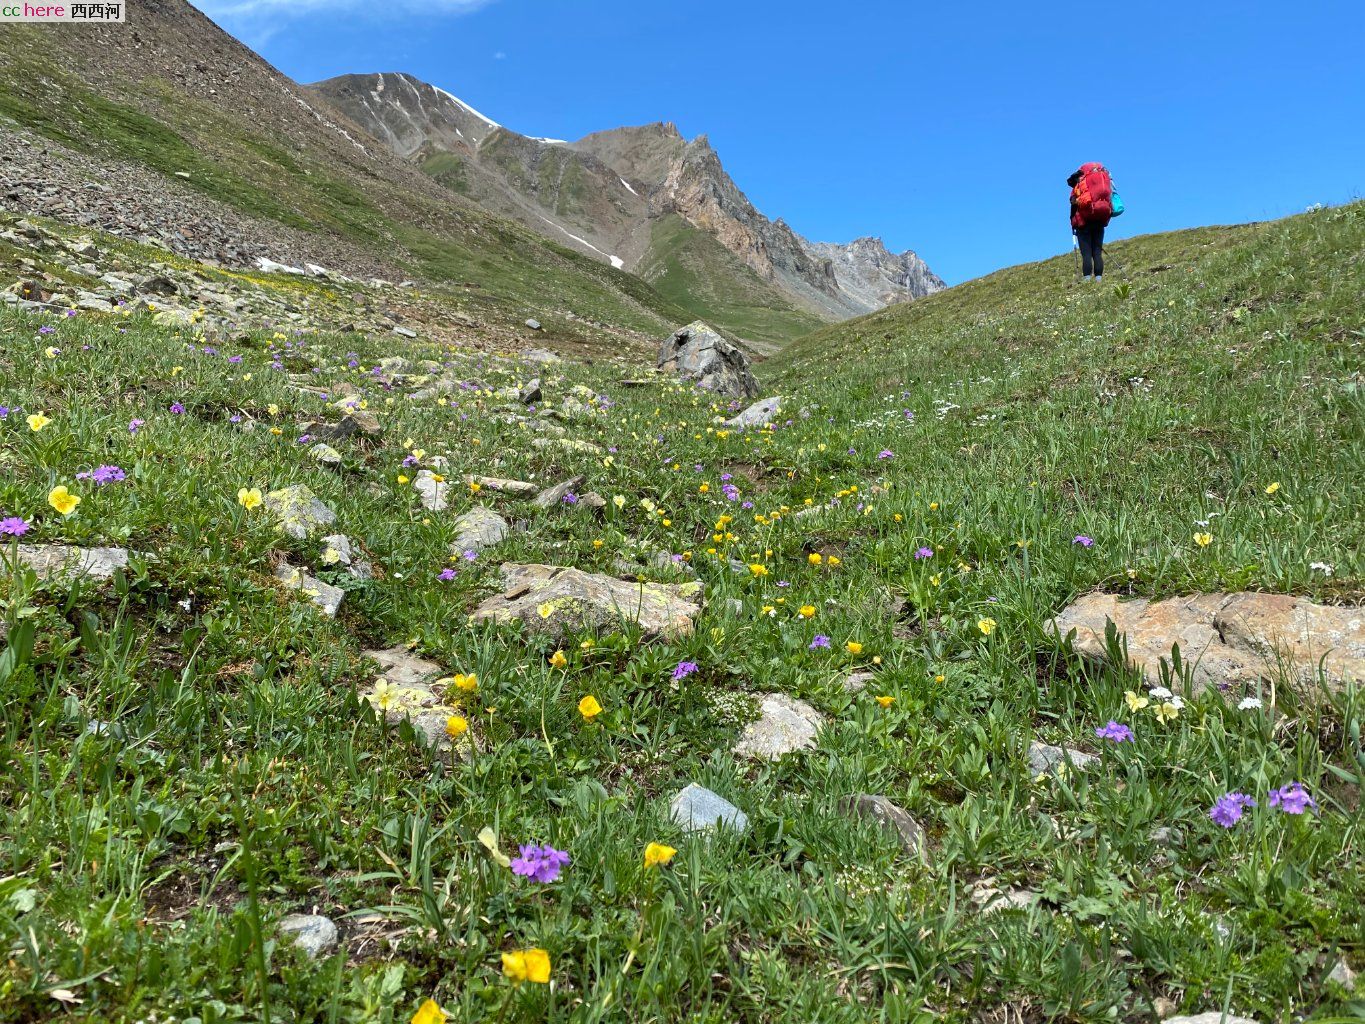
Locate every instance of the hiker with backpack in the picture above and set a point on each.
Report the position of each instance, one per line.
(1093, 203)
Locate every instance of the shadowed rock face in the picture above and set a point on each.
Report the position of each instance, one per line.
(1229, 640)
(701, 356)
(552, 599)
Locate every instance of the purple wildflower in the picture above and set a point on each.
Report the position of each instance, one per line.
(886, 453)
(542, 863)
(925, 553)
(446, 575)
(1116, 731)
(1292, 799)
(133, 425)
(1227, 810)
(726, 477)
(47, 329)
(234, 359)
(469, 555)
(103, 475)
(4, 411)
(819, 643)
(1083, 540)
(177, 408)
(13, 526)
(570, 499)
(684, 669)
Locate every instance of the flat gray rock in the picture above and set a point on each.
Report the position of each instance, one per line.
(784, 725)
(314, 934)
(553, 599)
(477, 529)
(697, 809)
(1044, 759)
(892, 818)
(51, 560)
(324, 595)
(1226, 639)
(1212, 1017)
(298, 511)
(431, 491)
(757, 415)
(516, 488)
(552, 496)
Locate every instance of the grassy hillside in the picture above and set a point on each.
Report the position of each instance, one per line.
(188, 757)
(239, 158)
(692, 269)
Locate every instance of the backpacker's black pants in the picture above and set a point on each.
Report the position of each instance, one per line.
(1090, 238)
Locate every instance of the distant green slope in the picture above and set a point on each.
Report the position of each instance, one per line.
(691, 268)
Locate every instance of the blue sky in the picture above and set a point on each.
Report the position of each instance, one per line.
(948, 129)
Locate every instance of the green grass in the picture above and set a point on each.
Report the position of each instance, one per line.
(695, 271)
(142, 868)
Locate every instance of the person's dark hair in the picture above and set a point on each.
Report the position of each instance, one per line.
(1075, 177)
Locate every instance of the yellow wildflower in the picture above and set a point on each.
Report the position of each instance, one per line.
(589, 707)
(1166, 711)
(1272, 488)
(853, 647)
(657, 854)
(557, 660)
(527, 965)
(456, 726)
(987, 626)
(1135, 703)
(807, 611)
(814, 558)
(249, 497)
(1203, 539)
(62, 500)
(429, 1013)
(885, 702)
(758, 569)
(37, 421)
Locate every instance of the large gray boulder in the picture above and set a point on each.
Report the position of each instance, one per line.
(477, 529)
(699, 355)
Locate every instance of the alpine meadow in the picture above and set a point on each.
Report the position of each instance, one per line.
(448, 575)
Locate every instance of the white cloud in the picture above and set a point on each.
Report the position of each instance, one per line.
(499, 56)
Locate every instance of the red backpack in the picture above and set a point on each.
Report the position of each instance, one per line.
(1093, 195)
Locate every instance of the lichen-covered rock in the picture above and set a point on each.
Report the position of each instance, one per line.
(51, 560)
(298, 511)
(552, 599)
(784, 725)
(700, 355)
(327, 597)
(325, 454)
(477, 529)
(410, 688)
(1228, 640)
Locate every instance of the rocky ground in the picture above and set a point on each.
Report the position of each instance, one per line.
(43, 178)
